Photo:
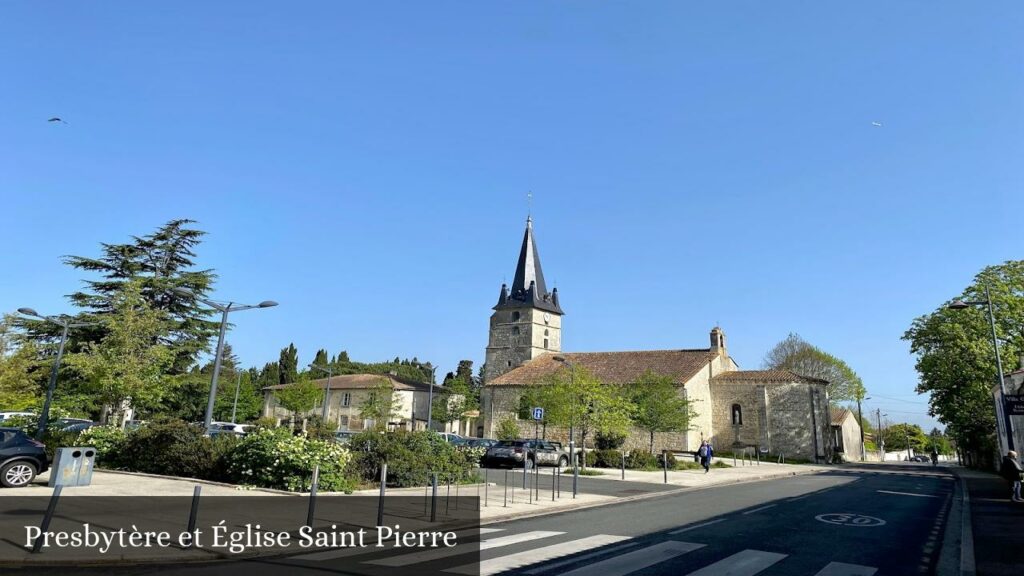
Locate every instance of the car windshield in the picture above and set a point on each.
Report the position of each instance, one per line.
(511, 443)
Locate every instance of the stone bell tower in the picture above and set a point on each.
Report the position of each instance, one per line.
(527, 320)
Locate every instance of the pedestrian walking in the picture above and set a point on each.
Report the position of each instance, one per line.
(935, 458)
(705, 452)
(1013, 473)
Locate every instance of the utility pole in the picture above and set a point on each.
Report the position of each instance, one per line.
(234, 407)
(860, 422)
(906, 434)
(881, 438)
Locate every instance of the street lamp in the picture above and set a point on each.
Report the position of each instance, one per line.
(860, 421)
(65, 323)
(430, 401)
(572, 423)
(987, 302)
(327, 389)
(224, 310)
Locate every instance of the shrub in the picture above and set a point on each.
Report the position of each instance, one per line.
(412, 457)
(604, 458)
(265, 422)
(641, 460)
(671, 460)
(508, 429)
(609, 440)
(274, 458)
(317, 429)
(173, 448)
(108, 441)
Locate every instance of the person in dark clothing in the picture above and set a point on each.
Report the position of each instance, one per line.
(705, 452)
(1011, 470)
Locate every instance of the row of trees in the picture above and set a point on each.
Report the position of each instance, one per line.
(143, 341)
(576, 398)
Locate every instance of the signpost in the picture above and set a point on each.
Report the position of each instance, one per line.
(1013, 404)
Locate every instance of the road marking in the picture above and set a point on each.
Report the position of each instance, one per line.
(841, 569)
(481, 531)
(537, 555)
(551, 567)
(759, 509)
(798, 498)
(746, 563)
(437, 553)
(687, 529)
(636, 560)
(850, 519)
(907, 494)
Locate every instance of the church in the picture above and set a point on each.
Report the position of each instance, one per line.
(774, 411)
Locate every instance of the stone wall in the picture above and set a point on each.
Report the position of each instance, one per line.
(792, 428)
(514, 341)
(750, 427)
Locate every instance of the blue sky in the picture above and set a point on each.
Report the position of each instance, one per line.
(367, 165)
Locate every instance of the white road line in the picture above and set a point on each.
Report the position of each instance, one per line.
(355, 551)
(907, 494)
(556, 565)
(437, 553)
(759, 509)
(535, 556)
(798, 498)
(746, 563)
(636, 560)
(841, 569)
(688, 528)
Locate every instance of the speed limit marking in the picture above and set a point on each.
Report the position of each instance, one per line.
(848, 519)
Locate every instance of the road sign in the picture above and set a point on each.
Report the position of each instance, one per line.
(1014, 404)
(538, 413)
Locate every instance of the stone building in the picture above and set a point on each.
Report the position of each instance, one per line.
(350, 391)
(771, 410)
(846, 442)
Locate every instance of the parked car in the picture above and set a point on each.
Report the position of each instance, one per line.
(452, 438)
(520, 453)
(64, 424)
(219, 428)
(344, 436)
(21, 458)
(78, 426)
(6, 415)
(481, 442)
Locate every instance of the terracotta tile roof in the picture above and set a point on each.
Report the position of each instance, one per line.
(363, 382)
(765, 376)
(838, 415)
(612, 367)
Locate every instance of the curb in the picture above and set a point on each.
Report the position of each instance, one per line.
(537, 513)
(237, 487)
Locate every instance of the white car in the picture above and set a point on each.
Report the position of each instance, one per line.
(6, 415)
(222, 427)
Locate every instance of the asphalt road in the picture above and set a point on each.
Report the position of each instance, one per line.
(884, 519)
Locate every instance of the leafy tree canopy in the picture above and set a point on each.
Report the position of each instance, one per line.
(797, 355)
(658, 406)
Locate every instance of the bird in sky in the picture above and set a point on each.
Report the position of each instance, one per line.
(876, 124)
(56, 119)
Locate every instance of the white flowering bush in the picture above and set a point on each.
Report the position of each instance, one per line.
(107, 440)
(273, 458)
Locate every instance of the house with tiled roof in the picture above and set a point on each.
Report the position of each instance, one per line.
(846, 435)
(774, 411)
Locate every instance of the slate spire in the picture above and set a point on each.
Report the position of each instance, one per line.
(528, 287)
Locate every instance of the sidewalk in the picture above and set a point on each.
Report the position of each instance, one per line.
(716, 476)
(997, 524)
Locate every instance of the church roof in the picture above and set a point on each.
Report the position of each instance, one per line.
(611, 367)
(528, 286)
(765, 376)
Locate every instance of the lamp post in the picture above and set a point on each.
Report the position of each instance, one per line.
(430, 400)
(65, 323)
(987, 302)
(572, 424)
(224, 310)
(234, 405)
(327, 389)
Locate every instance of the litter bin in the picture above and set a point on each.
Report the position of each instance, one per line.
(73, 466)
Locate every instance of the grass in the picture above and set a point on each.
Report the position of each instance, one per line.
(585, 472)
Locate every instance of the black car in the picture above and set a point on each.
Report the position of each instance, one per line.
(520, 453)
(21, 458)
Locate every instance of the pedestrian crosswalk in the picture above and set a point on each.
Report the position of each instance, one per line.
(547, 553)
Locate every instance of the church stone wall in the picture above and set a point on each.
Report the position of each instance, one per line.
(792, 429)
(514, 342)
(750, 432)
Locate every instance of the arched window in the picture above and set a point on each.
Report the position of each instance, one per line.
(545, 332)
(737, 415)
(515, 316)
(515, 330)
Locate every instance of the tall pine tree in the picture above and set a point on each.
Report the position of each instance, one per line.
(288, 364)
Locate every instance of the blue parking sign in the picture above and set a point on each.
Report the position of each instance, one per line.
(538, 413)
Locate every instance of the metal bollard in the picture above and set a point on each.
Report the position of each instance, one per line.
(487, 483)
(664, 461)
(505, 504)
(536, 482)
(448, 497)
(426, 499)
(623, 454)
(383, 487)
(38, 543)
(513, 488)
(554, 471)
(193, 513)
(559, 483)
(312, 495)
(456, 494)
(433, 498)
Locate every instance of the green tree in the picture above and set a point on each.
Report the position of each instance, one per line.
(658, 406)
(158, 263)
(455, 399)
(579, 399)
(270, 375)
(381, 404)
(955, 361)
(897, 437)
(939, 442)
(250, 398)
(299, 397)
(797, 355)
(288, 364)
(320, 359)
(128, 365)
(21, 372)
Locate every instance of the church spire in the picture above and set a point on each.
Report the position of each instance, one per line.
(528, 287)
